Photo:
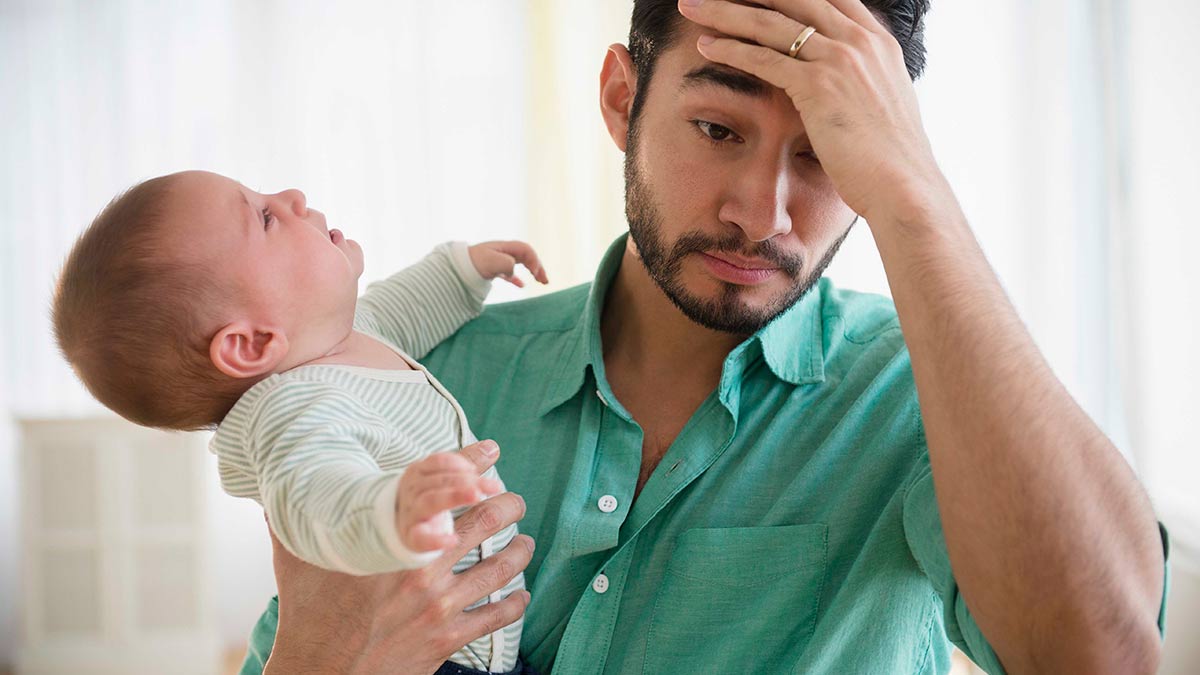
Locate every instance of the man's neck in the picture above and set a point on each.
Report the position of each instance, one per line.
(645, 335)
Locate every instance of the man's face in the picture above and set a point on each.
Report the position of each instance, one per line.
(728, 208)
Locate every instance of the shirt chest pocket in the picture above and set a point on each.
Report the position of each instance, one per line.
(738, 600)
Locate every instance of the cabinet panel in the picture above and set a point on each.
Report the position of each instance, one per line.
(71, 590)
(166, 586)
(164, 484)
(67, 472)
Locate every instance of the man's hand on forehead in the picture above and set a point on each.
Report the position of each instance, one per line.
(847, 80)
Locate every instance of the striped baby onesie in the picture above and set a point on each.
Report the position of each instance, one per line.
(322, 447)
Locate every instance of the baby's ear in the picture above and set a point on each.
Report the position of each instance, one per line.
(240, 350)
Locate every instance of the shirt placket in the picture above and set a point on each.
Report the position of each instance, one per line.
(614, 479)
(585, 643)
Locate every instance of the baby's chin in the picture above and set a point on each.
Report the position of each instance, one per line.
(355, 253)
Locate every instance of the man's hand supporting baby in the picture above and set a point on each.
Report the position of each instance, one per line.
(348, 624)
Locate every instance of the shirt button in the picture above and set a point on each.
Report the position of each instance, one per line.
(600, 584)
(601, 397)
(607, 503)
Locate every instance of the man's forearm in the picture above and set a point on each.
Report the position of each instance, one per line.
(1052, 539)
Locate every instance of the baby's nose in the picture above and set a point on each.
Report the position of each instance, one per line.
(296, 200)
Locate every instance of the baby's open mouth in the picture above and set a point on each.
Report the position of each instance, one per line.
(336, 236)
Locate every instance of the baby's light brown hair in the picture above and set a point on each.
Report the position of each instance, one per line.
(134, 320)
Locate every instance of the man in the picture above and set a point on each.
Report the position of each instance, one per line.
(730, 466)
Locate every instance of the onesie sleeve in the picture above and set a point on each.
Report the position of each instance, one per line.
(306, 451)
(419, 306)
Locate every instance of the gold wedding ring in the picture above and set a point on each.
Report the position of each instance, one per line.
(794, 52)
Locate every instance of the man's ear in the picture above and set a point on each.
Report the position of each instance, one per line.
(618, 84)
(241, 350)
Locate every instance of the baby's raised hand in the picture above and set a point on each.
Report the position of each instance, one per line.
(428, 490)
(498, 260)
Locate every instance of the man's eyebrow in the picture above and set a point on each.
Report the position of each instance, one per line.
(728, 78)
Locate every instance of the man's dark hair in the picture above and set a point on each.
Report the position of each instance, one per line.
(655, 26)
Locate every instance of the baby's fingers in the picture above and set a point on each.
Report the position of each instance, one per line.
(446, 499)
(441, 462)
(524, 254)
(429, 536)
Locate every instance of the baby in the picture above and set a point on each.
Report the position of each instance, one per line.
(193, 301)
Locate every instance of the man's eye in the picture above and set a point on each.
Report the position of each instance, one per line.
(267, 218)
(714, 132)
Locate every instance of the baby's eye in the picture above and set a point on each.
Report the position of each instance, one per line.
(267, 218)
(714, 132)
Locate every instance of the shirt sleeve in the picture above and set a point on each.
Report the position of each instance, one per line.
(421, 305)
(327, 499)
(927, 541)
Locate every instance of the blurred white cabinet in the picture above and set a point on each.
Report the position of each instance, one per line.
(113, 534)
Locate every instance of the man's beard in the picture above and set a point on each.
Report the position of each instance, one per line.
(727, 312)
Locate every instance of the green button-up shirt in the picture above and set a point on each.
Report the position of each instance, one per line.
(791, 527)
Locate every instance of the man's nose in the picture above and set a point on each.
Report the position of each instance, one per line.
(295, 200)
(759, 202)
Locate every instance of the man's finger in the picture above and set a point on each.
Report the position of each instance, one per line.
(767, 27)
(789, 74)
(482, 454)
(856, 11)
(482, 521)
(489, 618)
(435, 501)
(763, 25)
(492, 573)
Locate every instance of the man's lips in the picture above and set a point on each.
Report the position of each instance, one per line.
(744, 263)
(738, 271)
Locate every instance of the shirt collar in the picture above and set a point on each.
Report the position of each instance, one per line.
(792, 344)
(581, 344)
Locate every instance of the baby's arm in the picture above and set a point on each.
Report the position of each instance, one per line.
(328, 500)
(419, 306)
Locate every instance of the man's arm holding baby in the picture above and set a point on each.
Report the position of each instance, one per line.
(331, 622)
(421, 305)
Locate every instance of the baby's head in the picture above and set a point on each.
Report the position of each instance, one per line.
(189, 288)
